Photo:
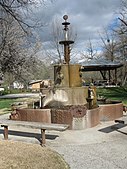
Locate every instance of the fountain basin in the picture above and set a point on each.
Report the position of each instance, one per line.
(110, 110)
(77, 117)
(35, 115)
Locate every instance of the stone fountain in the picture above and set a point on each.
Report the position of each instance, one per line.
(68, 102)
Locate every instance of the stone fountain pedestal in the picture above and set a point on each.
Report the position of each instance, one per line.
(68, 102)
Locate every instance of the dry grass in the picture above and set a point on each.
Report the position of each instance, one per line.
(20, 155)
(4, 111)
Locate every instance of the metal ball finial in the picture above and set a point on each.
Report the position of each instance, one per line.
(65, 17)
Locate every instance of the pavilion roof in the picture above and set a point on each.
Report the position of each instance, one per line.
(100, 64)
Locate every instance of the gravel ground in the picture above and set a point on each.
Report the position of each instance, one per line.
(19, 95)
(100, 147)
(108, 155)
(96, 148)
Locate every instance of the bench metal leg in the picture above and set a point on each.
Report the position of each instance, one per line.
(5, 132)
(43, 137)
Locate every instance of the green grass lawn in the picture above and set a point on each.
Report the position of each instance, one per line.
(6, 103)
(114, 93)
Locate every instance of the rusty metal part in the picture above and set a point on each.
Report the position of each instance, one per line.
(14, 115)
(65, 17)
(66, 42)
(78, 111)
(74, 75)
(43, 137)
(89, 100)
(61, 116)
(67, 75)
(65, 115)
(5, 131)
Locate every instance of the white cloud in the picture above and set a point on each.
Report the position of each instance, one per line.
(86, 16)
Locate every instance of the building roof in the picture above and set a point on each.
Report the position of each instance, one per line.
(35, 81)
(100, 64)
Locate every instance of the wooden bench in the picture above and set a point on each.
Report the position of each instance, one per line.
(34, 125)
(120, 121)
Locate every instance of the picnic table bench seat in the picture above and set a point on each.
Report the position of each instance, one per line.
(34, 125)
(122, 120)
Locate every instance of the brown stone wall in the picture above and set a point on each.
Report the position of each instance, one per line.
(72, 116)
(61, 117)
(36, 115)
(109, 112)
(92, 117)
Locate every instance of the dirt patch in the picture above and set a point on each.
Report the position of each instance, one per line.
(15, 155)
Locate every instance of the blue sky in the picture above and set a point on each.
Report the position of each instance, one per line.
(87, 17)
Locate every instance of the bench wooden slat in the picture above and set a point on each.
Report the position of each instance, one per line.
(36, 125)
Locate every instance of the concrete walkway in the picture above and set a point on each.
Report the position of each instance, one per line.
(100, 147)
(19, 95)
(97, 148)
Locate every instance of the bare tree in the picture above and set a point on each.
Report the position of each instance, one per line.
(57, 35)
(114, 49)
(90, 52)
(18, 45)
(121, 34)
(19, 10)
(109, 44)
